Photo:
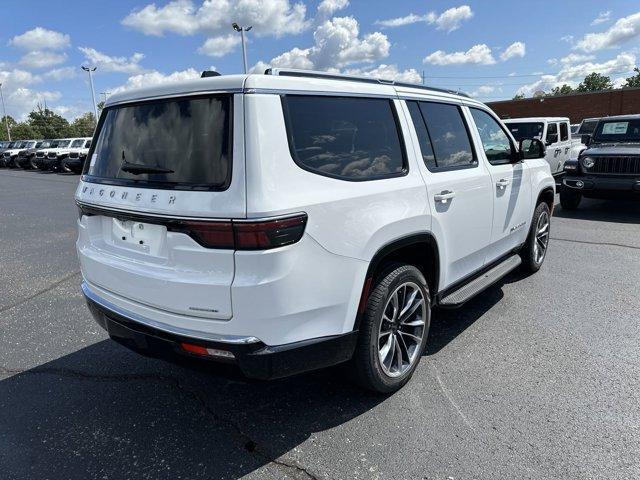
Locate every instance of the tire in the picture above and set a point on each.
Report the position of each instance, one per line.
(537, 244)
(569, 200)
(369, 370)
(33, 164)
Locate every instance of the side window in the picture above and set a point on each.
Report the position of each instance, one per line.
(552, 133)
(423, 136)
(345, 138)
(449, 135)
(496, 143)
(564, 131)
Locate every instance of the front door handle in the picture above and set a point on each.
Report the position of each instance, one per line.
(444, 196)
(557, 152)
(503, 183)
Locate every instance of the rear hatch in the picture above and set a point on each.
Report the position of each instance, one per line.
(156, 169)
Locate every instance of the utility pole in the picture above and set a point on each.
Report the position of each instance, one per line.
(90, 70)
(240, 29)
(422, 77)
(4, 111)
(105, 95)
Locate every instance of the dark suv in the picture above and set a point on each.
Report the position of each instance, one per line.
(26, 156)
(610, 165)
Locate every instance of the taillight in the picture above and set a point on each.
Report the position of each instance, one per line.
(269, 234)
(244, 235)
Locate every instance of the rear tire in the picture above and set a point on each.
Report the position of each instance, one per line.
(397, 316)
(569, 199)
(537, 244)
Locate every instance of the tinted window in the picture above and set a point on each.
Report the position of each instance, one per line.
(77, 143)
(587, 127)
(564, 131)
(423, 135)
(495, 142)
(449, 135)
(87, 144)
(347, 138)
(187, 141)
(552, 133)
(521, 131)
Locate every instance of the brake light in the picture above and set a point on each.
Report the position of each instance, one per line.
(245, 235)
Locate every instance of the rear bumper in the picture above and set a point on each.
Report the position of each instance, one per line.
(603, 186)
(252, 356)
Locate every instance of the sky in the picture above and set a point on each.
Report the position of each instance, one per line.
(491, 49)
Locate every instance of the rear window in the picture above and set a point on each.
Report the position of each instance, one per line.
(180, 143)
(346, 138)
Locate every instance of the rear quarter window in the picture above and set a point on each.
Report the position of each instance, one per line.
(352, 139)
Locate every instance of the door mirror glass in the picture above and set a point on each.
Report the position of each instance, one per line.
(531, 148)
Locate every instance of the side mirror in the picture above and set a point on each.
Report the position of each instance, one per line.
(585, 139)
(531, 148)
(552, 138)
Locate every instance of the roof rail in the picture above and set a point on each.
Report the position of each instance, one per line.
(292, 72)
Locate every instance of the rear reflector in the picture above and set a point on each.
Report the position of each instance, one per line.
(206, 352)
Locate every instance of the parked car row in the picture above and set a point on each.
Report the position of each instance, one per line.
(59, 155)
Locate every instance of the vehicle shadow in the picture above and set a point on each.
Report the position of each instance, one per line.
(104, 412)
(616, 211)
(448, 323)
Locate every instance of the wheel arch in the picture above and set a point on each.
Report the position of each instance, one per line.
(420, 250)
(546, 195)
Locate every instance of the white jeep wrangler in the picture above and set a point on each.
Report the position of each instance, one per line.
(295, 220)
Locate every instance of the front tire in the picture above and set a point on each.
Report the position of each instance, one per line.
(535, 249)
(569, 199)
(394, 329)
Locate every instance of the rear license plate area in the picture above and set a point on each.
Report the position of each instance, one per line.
(139, 236)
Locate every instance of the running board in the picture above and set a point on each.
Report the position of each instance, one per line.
(485, 280)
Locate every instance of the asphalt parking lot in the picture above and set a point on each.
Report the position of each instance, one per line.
(537, 378)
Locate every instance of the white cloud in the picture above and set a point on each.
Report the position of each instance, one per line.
(568, 39)
(106, 63)
(516, 49)
(41, 39)
(402, 21)
(213, 17)
(220, 46)
(572, 74)
(476, 55)
(448, 20)
(153, 78)
(23, 100)
(622, 31)
(42, 59)
(602, 17)
(482, 91)
(388, 72)
(451, 19)
(326, 8)
(573, 58)
(59, 74)
(337, 44)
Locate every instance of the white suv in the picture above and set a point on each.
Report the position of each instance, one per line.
(295, 220)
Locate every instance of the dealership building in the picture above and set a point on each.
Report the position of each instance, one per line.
(576, 106)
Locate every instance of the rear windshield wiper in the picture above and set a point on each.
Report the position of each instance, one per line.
(137, 169)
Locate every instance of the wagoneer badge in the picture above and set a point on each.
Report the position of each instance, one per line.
(102, 192)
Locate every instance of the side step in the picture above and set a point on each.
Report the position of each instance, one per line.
(485, 280)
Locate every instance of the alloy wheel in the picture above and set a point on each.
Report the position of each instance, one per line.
(402, 329)
(541, 241)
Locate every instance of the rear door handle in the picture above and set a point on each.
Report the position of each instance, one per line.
(444, 196)
(503, 183)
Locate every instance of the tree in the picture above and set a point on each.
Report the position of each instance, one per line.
(563, 90)
(3, 127)
(84, 125)
(595, 82)
(48, 124)
(634, 80)
(23, 131)
(518, 96)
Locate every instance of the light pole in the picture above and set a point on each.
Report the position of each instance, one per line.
(4, 111)
(90, 70)
(240, 29)
(105, 95)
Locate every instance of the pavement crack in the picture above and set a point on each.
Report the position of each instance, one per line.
(39, 292)
(241, 437)
(604, 244)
